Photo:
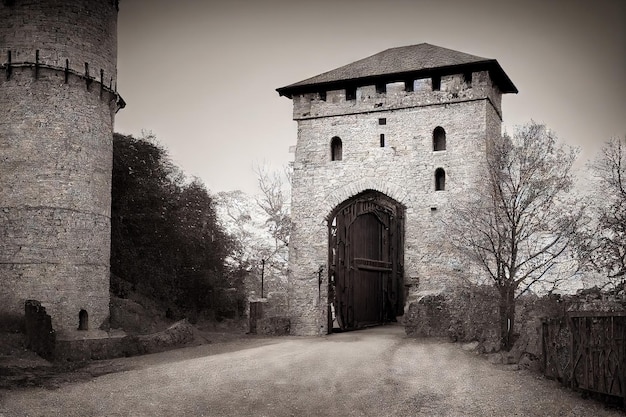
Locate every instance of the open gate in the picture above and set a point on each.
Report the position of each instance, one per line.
(366, 262)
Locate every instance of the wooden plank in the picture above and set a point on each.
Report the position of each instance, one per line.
(598, 350)
(365, 257)
(373, 262)
(596, 314)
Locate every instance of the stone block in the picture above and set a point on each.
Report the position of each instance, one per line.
(274, 326)
(40, 337)
(79, 347)
(463, 314)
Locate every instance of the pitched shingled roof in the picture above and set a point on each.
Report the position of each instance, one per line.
(398, 64)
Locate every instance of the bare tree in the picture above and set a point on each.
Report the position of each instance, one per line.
(606, 244)
(519, 225)
(274, 202)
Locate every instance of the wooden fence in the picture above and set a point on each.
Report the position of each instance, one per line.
(556, 338)
(587, 351)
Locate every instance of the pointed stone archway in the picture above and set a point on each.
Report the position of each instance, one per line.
(365, 258)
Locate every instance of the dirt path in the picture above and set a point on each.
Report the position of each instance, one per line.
(375, 372)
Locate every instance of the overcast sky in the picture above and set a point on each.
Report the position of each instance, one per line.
(201, 75)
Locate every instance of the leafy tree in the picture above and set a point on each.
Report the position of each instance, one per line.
(606, 244)
(247, 226)
(260, 227)
(202, 246)
(522, 221)
(165, 238)
(142, 187)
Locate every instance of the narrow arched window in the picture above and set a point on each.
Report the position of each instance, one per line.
(335, 149)
(440, 179)
(439, 139)
(83, 320)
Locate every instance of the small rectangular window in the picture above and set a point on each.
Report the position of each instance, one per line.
(350, 93)
(436, 80)
(381, 88)
(382, 140)
(408, 86)
(467, 77)
(323, 95)
(382, 121)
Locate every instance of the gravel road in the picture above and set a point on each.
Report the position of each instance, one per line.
(373, 372)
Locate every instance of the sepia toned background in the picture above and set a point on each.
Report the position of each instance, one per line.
(201, 76)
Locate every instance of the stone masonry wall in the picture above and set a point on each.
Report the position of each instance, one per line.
(81, 31)
(56, 158)
(403, 169)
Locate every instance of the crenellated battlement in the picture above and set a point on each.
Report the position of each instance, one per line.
(387, 146)
(436, 90)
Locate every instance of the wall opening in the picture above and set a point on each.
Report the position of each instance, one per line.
(467, 77)
(350, 93)
(382, 140)
(440, 179)
(83, 320)
(382, 121)
(436, 83)
(365, 258)
(439, 139)
(336, 151)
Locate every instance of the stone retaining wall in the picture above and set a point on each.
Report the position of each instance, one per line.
(469, 313)
(109, 346)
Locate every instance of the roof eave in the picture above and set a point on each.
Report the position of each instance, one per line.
(496, 72)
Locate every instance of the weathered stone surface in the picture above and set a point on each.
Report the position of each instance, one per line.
(402, 169)
(429, 316)
(530, 362)
(277, 303)
(467, 314)
(273, 326)
(56, 156)
(267, 315)
(40, 337)
(78, 30)
(112, 345)
(177, 334)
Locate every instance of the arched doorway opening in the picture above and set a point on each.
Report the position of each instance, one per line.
(83, 320)
(365, 258)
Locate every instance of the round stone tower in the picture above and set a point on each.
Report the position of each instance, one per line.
(58, 99)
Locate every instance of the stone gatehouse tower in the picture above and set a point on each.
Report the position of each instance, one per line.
(57, 104)
(385, 146)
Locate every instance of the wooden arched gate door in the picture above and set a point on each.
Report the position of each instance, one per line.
(366, 261)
